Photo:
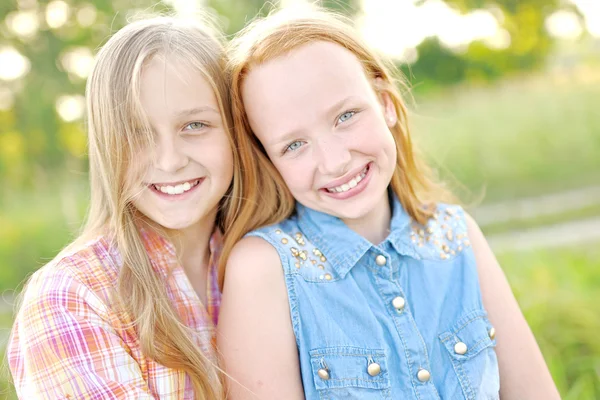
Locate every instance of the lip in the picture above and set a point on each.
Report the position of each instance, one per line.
(175, 197)
(346, 178)
(175, 183)
(353, 191)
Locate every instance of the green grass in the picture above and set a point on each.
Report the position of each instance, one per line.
(558, 293)
(36, 225)
(515, 139)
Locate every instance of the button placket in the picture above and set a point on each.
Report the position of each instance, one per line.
(409, 335)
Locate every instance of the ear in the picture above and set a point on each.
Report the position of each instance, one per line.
(389, 110)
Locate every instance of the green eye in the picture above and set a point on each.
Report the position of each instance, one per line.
(194, 126)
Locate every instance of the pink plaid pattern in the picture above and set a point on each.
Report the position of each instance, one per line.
(67, 343)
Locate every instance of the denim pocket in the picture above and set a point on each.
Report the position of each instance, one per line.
(470, 346)
(350, 372)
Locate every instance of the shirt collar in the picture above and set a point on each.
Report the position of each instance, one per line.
(343, 247)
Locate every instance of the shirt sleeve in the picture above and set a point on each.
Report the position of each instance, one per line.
(62, 347)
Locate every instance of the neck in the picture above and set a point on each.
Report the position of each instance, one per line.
(374, 226)
(192, 245)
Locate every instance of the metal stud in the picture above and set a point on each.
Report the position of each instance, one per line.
(423, 375)
(323, 374)
(460, 348)
(374, 369)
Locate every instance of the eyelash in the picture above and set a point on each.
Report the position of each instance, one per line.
(203, 125)
(352, 112)
(287, 148)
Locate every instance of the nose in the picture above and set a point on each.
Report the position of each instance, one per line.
(170, 154)
(332, 156)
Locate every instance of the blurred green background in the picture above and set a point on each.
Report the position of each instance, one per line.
(506, 96)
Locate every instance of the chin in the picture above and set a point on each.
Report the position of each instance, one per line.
(175, 223)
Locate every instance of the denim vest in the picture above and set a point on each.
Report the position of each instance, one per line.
(400, 320)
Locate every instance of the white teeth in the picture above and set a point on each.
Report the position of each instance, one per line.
(177, 189)
(351, 184)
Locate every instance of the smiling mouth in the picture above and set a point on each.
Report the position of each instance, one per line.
(179, 188)
(351, 183)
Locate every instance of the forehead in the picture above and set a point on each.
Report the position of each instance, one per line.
(168, 86)
(302, 82)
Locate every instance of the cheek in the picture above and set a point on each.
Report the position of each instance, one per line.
(221, 161)
(296, 174)
(376, 140)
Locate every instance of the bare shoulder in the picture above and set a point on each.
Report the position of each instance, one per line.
(253, 261)
(255, 334)
(481, 248)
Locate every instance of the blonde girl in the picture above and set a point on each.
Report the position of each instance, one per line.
(128, 311)
(356, 279)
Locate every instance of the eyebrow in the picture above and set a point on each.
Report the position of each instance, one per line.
(296, 132)
(195, 111)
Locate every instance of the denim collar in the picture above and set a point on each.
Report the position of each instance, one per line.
(343, 247)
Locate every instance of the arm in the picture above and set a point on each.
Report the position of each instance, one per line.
(255, 335)
(523, 372)
(61, 348)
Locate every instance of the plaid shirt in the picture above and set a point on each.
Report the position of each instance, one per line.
(67, 343)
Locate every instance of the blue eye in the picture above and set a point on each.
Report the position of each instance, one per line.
(194, 126)
(294, 146)
(346, 116)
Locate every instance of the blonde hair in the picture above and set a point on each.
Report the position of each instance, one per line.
(118, 129)
(276, 35)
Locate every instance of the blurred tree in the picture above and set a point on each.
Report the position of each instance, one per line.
(529, 46)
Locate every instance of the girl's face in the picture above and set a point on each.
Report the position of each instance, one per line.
(191, 165)
(324, 128)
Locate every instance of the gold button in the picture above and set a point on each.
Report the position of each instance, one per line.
(460, 348)
(328, 277)
(423, 375)
(492, 333)
(374, 369)
(323, 374)
(380, 260)
(398, 303)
